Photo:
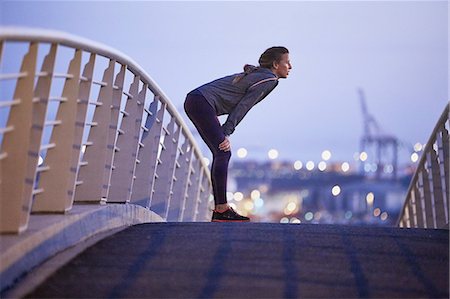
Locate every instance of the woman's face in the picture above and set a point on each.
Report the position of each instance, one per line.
(282, 68)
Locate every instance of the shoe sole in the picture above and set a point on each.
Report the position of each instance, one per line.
(230, 220)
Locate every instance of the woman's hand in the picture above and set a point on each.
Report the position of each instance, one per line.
(225, 145)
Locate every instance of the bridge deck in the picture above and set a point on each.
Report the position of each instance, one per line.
(204, 260)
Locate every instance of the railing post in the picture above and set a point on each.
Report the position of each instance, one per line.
(80, 122)
(193, 191)
(148, 154)
(57, 183)
(166, 170)
(181, 176)
(125, 160)
(16, 189)
(92, 177)
(443, 170)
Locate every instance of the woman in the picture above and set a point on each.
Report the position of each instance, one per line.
(234, 95)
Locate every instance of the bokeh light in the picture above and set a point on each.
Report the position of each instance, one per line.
(336, 190)
(242, 153)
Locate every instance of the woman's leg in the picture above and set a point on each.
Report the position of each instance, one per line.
(205, 120)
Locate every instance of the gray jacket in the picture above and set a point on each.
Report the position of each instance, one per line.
(229, 95)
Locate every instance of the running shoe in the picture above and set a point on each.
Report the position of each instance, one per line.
(229, 215)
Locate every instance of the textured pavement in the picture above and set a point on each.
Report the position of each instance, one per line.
(257, 260)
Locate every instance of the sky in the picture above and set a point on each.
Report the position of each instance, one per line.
(397, 52)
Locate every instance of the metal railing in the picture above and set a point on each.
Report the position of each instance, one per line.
(426, 203)
(99, 130)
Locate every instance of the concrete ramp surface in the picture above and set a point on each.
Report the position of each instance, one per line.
(257, 260)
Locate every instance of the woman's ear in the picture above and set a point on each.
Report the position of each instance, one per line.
(275, 65)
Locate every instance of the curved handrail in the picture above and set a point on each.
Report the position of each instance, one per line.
(426, 202)
(70, 40)
(123, 161)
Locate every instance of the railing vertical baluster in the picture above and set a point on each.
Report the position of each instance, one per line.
(193, 190)
(40, 104)
(429, 186)
(443, 148)
(145, 171)
(413, 202)
(436, 195)
(14, 202)
(125, 159)
(181, 174)
(423, 207)
(165, 171)
(58, 188)
(204, 212)
(407, 218)
(93, 174)
(137, 137)
(198, 198)
(112, 129)
(81, 112)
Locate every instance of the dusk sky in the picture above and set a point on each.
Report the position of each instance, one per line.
(397, 52)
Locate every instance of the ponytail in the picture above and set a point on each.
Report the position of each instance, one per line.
(266, 60)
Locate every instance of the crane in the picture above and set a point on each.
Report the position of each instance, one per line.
(374, 138)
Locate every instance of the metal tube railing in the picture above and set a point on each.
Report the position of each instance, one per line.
(127, 152)
(426, 203)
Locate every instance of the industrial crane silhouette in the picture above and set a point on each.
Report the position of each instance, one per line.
(376, 141)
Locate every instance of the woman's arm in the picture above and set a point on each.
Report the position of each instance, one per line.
(250, 99)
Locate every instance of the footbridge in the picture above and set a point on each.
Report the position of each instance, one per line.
(105, 193)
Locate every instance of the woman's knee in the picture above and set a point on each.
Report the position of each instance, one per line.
(225, 155)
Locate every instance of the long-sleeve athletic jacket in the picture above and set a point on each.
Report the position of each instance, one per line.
(236, 94)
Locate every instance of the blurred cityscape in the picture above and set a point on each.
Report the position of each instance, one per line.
(369, 190)
(339, 193)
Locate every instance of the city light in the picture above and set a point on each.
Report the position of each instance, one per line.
(233, 205)
(273, 154)
(376, 212)
(388, 168)
(249, 205)
(363, 156)
(336, 190)
(414, 157)
(348, 215)
(295, 220)
(255, 194)
(418, 147)
(298, 165)
(259, 202)
(309, 216)
(370, 197)
(317, 215)
(284, 220)
(322, 166)
(326, 155)
(242, 153)
(356, 156)
(238, 196)
(345, 167)
(384, 216)
(310, 165)
(290, 208)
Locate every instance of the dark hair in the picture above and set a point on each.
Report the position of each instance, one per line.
(271, 55)
(265, 61)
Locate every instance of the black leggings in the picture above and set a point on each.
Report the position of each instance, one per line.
(203, 115)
